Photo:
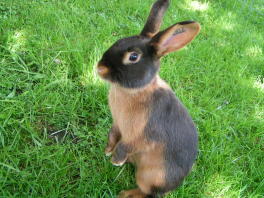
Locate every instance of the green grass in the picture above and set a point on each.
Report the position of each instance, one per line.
(48, 50)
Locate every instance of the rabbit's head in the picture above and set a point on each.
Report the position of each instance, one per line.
(133, 62)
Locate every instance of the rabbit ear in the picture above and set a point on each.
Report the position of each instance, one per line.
(153, 23)
(175, 37)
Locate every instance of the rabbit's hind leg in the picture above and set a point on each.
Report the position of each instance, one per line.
(134, 193)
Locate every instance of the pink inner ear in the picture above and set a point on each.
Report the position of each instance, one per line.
(177, 41)
(175, 37)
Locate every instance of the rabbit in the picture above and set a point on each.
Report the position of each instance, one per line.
(151, 127)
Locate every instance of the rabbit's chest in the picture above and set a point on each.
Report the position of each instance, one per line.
(129, 113)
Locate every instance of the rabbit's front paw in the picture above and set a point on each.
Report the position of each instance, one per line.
(120, 155)
(116, 162)
(108, 151)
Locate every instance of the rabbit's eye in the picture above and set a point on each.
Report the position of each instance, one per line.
(133, 57)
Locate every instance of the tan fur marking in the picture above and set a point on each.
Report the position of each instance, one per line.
(128, 113)
(151, 169)
(162, 84)
(129, 108)
(150, 35)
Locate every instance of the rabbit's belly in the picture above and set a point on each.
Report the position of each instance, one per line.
(129, 115)
(131, 125)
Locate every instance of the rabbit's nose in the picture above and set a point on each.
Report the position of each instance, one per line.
(102, 70)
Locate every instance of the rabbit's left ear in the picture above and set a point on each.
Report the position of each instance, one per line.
(154, 21)
(175, 37)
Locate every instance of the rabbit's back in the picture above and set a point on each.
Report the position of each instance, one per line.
(170, 125)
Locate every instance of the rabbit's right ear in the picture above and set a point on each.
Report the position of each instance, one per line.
(154, 21)
(175, 37)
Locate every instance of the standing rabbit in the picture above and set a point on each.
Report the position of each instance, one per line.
(151, 128)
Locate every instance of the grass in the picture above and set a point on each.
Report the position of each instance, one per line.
(54, 115)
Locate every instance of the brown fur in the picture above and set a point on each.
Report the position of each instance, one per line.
(130, 116)
(150, 169)
(129, 112)
(113, 137)
(129, 108)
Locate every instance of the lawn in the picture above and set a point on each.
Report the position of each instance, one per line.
(54, 116)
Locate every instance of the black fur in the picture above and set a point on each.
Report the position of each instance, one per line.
(170, 124)
(155, 18)
(120, 153)
(185, 22)
(157, 192)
